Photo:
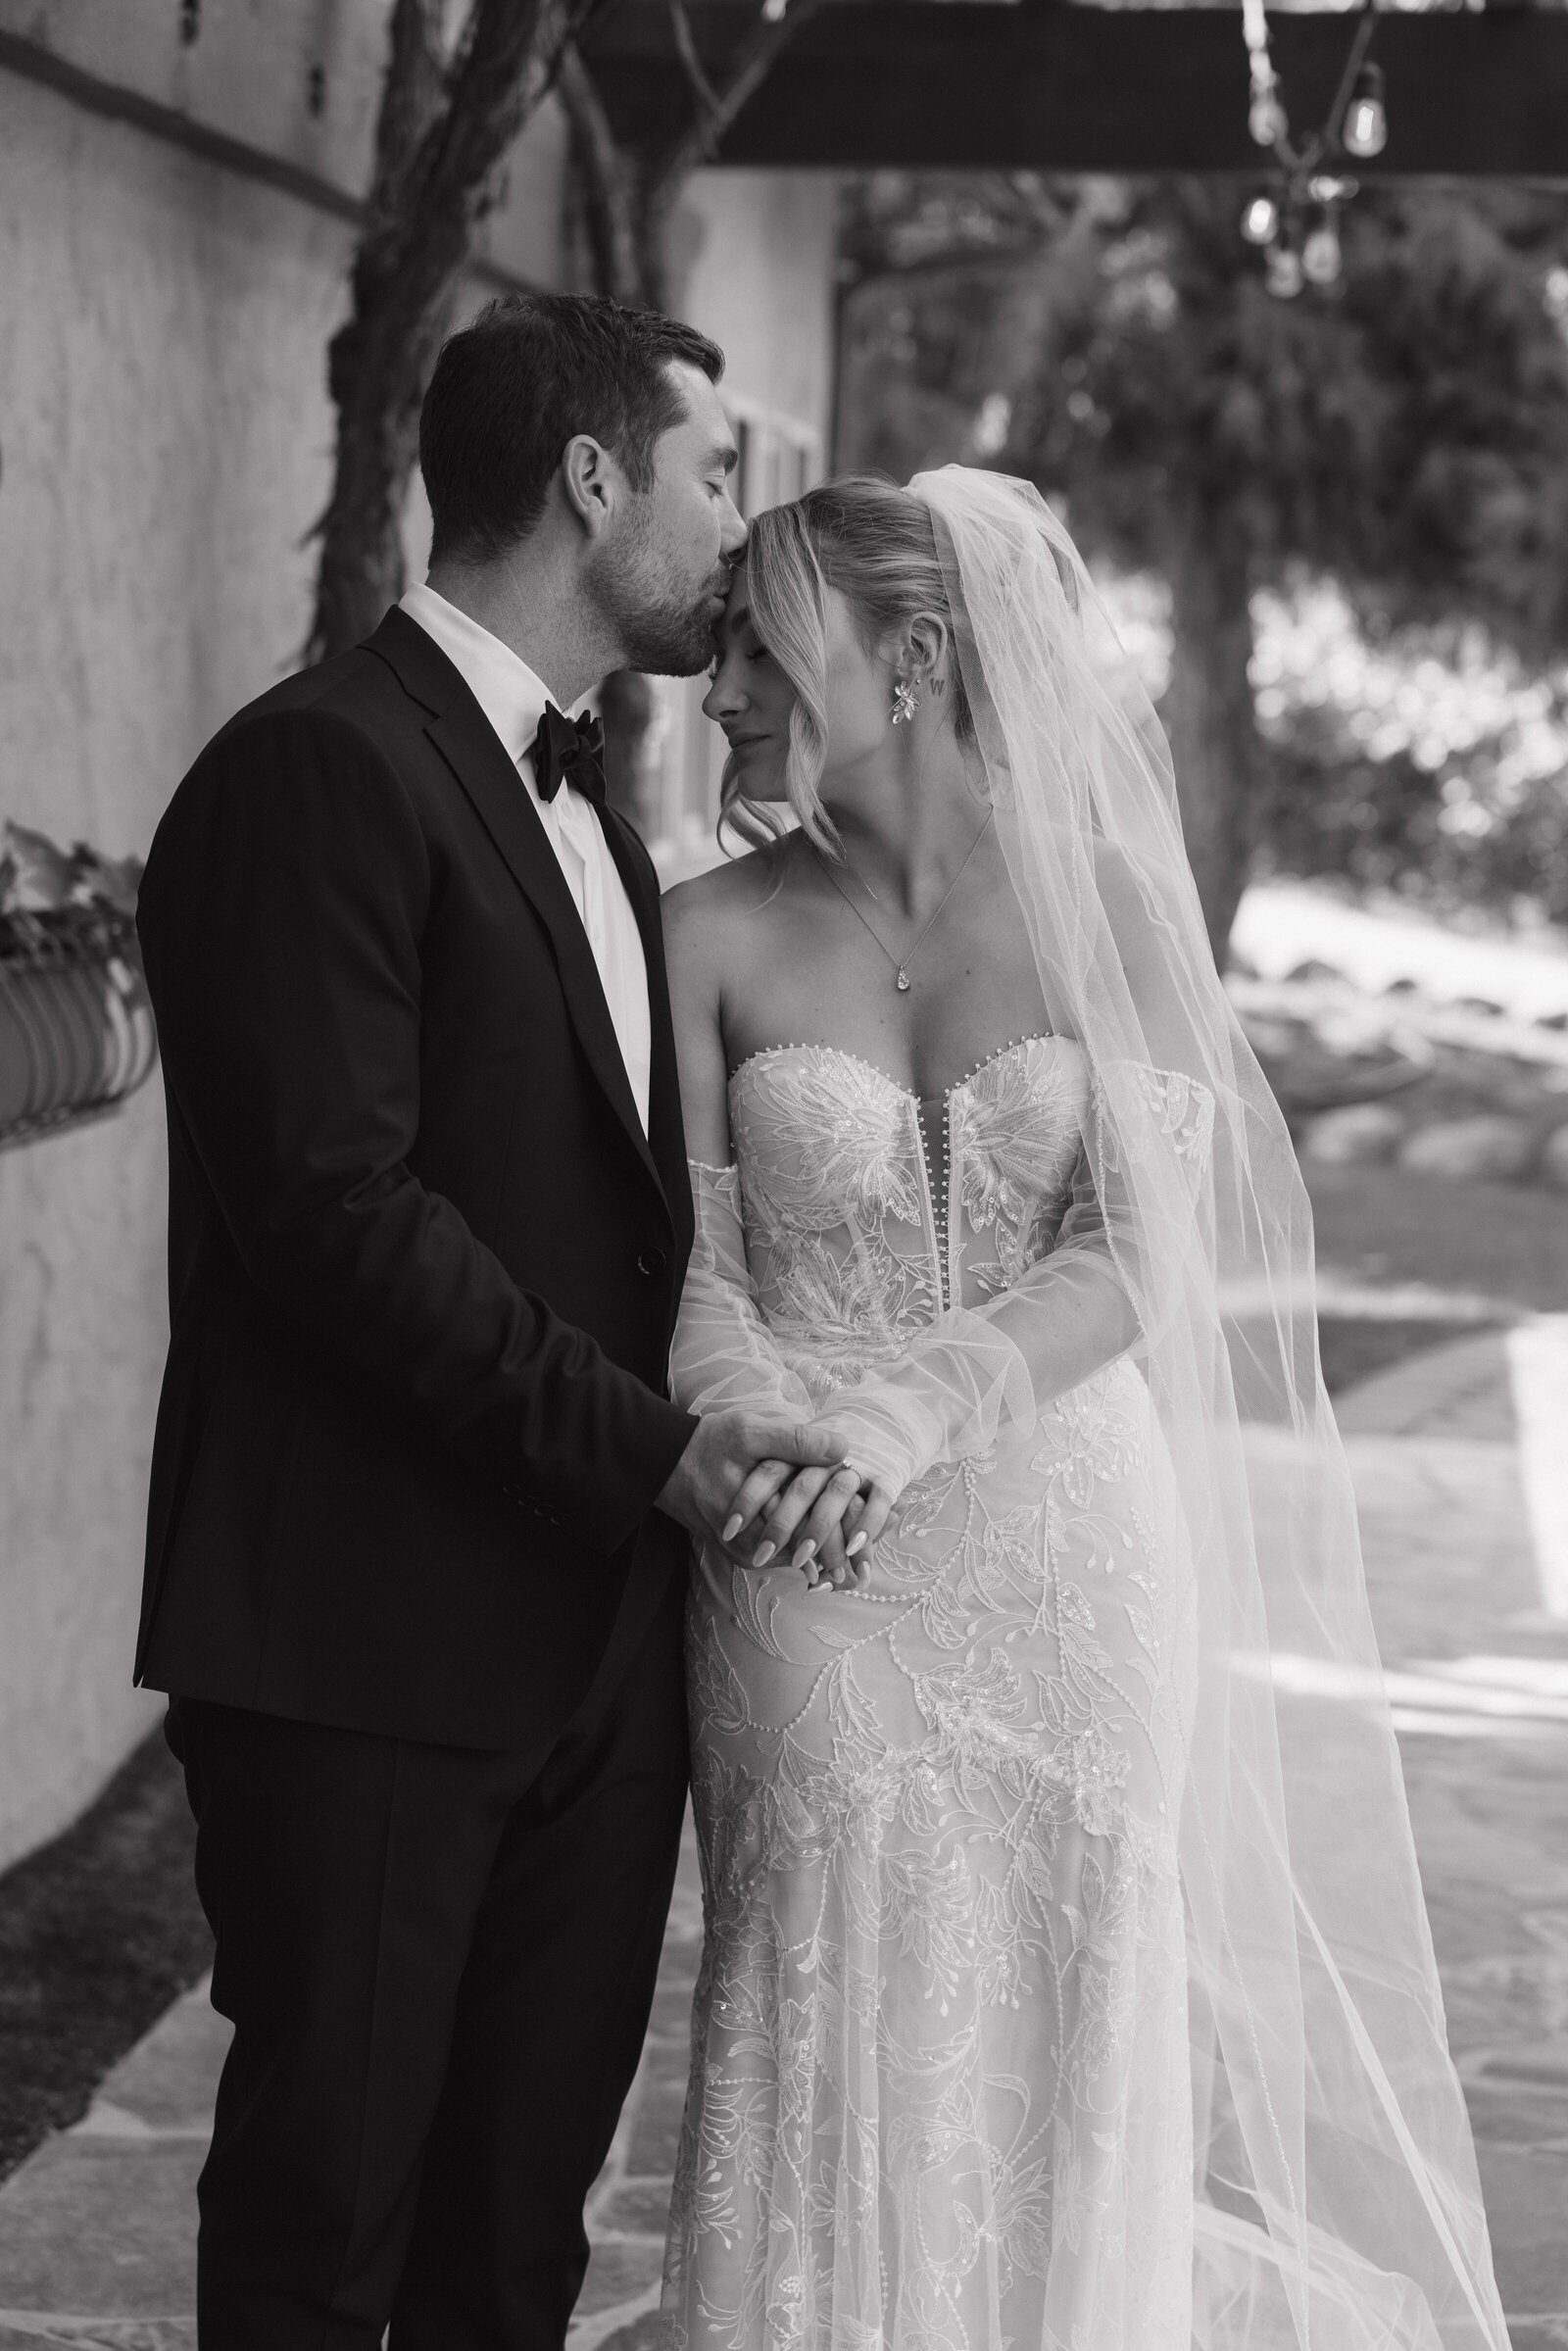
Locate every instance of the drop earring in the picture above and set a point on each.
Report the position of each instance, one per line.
(904, 702)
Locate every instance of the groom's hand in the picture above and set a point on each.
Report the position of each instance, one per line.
(735, 1463)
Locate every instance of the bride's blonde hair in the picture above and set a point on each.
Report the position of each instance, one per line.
(873, 543)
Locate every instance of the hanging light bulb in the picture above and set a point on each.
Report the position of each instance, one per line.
(1285, 276)
(1261, 221)
(1366, 122)
(1320, 255)
(1266, 119)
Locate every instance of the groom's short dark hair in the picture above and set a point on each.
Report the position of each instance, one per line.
(511, 389)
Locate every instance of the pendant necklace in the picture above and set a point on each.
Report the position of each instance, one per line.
(901, 963)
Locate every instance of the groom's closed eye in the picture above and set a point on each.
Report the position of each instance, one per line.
(720, 462)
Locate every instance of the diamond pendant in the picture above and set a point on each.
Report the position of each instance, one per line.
(904, 980)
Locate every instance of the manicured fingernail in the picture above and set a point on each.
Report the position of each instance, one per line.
(763, 1553)
(732, 1526)
(807, 1551)
(855, 1542)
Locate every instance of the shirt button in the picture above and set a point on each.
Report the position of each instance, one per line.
(652, 1262)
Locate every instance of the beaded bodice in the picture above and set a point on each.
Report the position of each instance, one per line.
(869, 1210)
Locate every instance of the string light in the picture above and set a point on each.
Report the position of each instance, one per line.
(1285, 273)
(1356, 121)
(1367, 120)
(1320, 255)
(1265, 118)
(1260, 223)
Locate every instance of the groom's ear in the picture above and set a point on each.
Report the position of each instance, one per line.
(590, 482)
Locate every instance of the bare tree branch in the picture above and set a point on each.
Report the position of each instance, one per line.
(440, 137)
(686, 47)
(605, 180)
(663, 177)
(628, 198)
(411, 98)
(745, 74)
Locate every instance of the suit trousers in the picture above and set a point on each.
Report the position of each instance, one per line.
(439, 1963)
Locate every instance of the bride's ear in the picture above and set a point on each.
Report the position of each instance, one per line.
(928, 652)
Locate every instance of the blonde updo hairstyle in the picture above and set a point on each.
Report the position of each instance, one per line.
(874, 544)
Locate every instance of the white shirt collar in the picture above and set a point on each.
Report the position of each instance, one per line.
(504, 686)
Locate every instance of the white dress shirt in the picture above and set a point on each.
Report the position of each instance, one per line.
(513, 698)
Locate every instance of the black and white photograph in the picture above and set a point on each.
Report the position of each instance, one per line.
(784, 1175)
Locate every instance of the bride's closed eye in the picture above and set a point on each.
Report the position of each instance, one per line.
(754, 653)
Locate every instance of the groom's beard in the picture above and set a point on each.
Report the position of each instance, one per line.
(664, 621)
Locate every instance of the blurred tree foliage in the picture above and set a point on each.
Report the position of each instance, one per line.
(1405, 431)
(1480, 829)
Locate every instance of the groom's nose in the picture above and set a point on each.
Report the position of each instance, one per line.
(732, 529)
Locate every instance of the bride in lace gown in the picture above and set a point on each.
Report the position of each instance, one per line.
(996, 2041)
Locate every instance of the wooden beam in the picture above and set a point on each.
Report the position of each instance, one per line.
(1045, 86)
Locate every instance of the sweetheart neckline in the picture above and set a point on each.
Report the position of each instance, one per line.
(840, 1053)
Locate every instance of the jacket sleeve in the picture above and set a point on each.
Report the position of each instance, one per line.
(282, 915)
(982, 1373)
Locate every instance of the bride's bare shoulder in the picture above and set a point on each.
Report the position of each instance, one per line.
(703, 915)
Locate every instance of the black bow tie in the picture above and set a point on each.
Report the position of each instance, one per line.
(569, 751)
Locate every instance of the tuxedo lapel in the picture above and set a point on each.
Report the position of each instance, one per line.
(468, 744)
(666, 1134)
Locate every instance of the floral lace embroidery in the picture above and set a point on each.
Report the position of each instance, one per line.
(940, 2096)
(1146, 1104)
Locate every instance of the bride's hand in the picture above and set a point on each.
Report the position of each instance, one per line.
(827, 1520)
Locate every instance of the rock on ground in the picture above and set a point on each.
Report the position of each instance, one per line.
(1469, 1149)
(1361, 1131)
(1554, 1158)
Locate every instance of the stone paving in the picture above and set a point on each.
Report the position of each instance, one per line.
(1462, 1562)
(1467, 1562)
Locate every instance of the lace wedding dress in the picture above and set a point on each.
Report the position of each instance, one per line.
(941, 2091)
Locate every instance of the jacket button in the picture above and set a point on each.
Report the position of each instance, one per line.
(652, 1262)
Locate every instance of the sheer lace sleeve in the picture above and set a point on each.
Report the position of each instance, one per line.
(722, 1353)
(981, 1373)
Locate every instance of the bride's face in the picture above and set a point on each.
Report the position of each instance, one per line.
(751, 699)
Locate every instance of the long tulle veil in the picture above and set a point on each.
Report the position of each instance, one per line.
(1338, 2199)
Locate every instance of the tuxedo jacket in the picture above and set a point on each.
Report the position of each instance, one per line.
(425, 1263)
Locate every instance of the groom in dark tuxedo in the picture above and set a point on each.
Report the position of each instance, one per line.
(420, 1501)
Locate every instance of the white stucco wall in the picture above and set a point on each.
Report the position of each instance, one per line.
(163, 434)
(756, 249)
(248, 74)
(165, 446)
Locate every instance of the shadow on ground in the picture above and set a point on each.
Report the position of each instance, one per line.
(99, 1931)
